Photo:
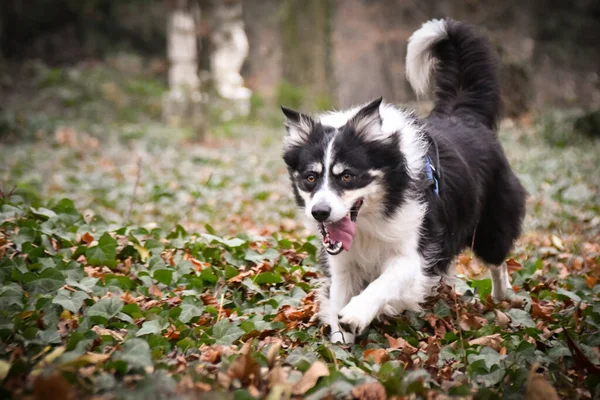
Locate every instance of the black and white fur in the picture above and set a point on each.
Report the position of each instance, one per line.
(407, 235)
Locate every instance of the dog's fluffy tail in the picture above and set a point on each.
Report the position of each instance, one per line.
(465, 70)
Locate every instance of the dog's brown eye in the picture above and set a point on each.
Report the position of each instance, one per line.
(346, 177)
(311, 179)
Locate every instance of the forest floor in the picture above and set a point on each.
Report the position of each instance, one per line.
(137, 262)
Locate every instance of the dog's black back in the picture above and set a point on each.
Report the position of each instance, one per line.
(481, 203)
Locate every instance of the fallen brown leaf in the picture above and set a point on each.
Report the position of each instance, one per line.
(469, 322)
(53, 386)
(492, 341)
(557, 242)
(155, 291)
(369, 391)
(380, 356)
(502, 320)
(538, 388)
(107, 332)
(513, 266)
(288, 313)
(446, 372)
(244, 367)
(209, 300)
(172, 333)
(400, 343)
(149, 304)
(211, 354)
(273, 353)
(87, 359)
(128, 298)
(310, 378)
(438, 326)
(542, 310)
(87, 238)
(241, 276)
(278, 376)
(198, 265)
(433, 352)
(591, 280)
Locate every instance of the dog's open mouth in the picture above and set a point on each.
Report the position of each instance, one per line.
(338, 236)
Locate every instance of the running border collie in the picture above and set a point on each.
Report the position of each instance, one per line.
(396, 198)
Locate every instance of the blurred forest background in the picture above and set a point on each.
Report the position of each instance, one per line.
(106, 76)
(322, 53)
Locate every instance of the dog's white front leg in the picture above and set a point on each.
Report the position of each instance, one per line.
(340, 295)
(501, 287)
(400, 286)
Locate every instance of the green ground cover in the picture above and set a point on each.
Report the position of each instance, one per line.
(136, 262)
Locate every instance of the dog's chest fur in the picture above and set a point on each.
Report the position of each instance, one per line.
(378, 240)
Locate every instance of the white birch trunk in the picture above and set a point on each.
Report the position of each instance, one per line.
(230, 49)
(183, 101)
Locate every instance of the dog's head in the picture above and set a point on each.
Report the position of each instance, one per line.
(343, 166)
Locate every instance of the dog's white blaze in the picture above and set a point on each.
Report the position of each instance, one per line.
(324, 194)
(419, 62)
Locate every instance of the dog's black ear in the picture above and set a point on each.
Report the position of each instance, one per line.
(367, 121)
(291, 115)
(299, 127)
(370, 109)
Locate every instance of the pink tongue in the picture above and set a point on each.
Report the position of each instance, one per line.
(342, 231)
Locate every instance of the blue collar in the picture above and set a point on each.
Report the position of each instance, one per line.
(432, 176)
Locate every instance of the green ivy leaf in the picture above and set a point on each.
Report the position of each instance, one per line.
(106, 308)
(565, 294)
(70, 301)
(226, 332)
(268, 277)
(482, 286)
(252, 286)
(136, 352)
(189, 311)
(86, 284)
(520, 318)
(105, 253)
(50, 280)
(151, 327)
(164, 276)
(11, 297)
(235, 242)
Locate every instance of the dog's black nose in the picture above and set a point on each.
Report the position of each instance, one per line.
(321, 212)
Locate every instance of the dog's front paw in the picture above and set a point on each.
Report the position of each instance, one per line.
(342, 337)
(355, 317)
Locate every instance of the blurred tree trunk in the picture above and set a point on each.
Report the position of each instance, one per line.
(183, 103)
(306, 28)
(229, 49)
